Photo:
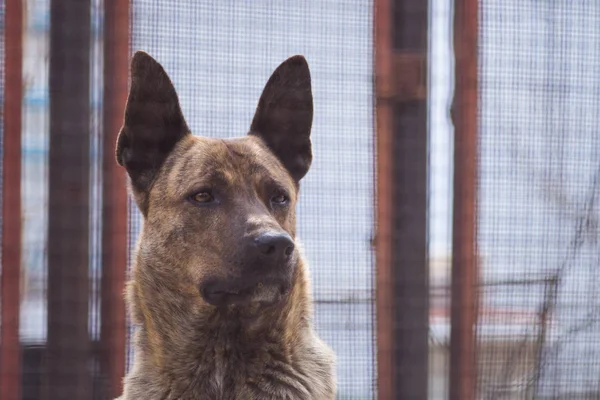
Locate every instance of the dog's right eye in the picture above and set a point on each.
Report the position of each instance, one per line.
(202, 197)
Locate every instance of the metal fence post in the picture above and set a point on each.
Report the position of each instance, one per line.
(10, 350)
(384, 206)
(402, 273)
(463, 366)
(67, 369)
(114, 206)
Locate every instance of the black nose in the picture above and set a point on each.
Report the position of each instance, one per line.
(274, 244)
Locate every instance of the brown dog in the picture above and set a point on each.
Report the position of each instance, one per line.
(220, 292)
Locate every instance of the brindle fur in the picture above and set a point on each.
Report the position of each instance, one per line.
(263, 347)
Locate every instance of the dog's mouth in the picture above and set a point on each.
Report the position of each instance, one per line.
(224, 293)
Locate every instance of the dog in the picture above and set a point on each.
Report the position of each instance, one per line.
(220, 292)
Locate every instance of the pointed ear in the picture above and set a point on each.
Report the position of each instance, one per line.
(153, 122)
(283, 118)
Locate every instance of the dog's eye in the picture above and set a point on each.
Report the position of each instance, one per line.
(279, 199)
(203, 197)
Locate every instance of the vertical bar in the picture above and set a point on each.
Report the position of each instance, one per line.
(402, 273)
(464, 261)
(10, 350)
(67, 369)
(114, 204)
(383, 129)
(409, 256)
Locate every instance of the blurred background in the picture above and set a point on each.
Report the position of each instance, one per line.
(450, 217)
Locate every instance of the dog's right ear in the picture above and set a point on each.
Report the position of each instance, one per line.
(153, 123)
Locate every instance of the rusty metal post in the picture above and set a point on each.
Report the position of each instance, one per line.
(463, 370)
(114, 205)
(10, 349)
(68, 356)
(384, 131)
(402, 273)
(384, 270)
(410, 33)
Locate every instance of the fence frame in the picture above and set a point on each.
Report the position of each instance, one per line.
(464, 295)
(10, 350)
(68, 342)
(113, 335)
(383, 131)
(401, 47)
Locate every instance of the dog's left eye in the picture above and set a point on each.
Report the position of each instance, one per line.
(202, 197)
(279, 199)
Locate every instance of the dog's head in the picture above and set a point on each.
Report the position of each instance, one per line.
(221, 213)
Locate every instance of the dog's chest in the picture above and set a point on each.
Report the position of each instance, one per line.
(228, 373)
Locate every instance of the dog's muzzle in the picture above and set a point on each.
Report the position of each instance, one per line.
(265, 275)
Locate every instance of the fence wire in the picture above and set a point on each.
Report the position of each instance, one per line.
(538, 335)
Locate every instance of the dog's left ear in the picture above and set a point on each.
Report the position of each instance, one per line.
(283, 118)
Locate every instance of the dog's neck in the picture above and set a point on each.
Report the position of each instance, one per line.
(177, 332)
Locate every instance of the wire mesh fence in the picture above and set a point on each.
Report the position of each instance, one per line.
(470, 275)
(538, 190)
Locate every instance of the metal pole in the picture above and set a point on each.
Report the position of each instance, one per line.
(402, 273)
(10, 350)
(384, 271)
(114, 224)
(463, 372)
(410, 19)
(67, 369)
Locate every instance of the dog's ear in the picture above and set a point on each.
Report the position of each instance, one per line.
(153, 123)
(283, 118)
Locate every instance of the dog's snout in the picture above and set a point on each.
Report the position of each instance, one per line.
(274, 244)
